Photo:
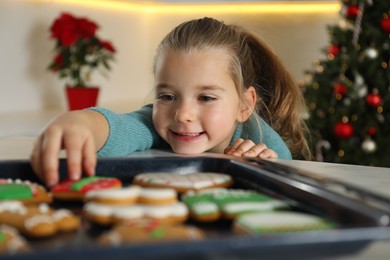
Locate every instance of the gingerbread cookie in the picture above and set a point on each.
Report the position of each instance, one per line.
(24, 191)
(11, 242)
(75, 190)
(148, 230)
(105, 214)
(133, 194)
(212, 204)
(279, 222)
(37, 220)
(184, 182)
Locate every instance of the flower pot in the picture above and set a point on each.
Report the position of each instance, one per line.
(79, 98)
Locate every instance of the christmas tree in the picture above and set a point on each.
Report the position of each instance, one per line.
(348, 91)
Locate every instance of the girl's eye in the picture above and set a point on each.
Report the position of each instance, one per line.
(207, 98)
(166, 97)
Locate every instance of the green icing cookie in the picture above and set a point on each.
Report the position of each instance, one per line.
(2, 237)
(81, 183)
(229, 201)
(14, 191)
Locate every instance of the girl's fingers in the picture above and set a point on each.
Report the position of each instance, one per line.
(268, 154)
(243, 147)
(89, 157)
(73, 145)
(255, 150)
(35, 158)
(231, 149)
(50, 149)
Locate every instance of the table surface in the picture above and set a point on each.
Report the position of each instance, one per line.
(374, 179)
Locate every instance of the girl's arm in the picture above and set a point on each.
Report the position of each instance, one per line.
(80, 134)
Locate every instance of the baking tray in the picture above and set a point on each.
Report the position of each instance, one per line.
(358, 223)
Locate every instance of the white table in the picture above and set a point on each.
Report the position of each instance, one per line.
(375, 179)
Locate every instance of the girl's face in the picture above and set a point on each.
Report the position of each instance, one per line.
(197, 105)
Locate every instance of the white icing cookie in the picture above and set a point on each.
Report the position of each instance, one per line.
(105, 214)
(279, 222)
(11, 242)
(37, 221)
(184, 182)
(133, 194)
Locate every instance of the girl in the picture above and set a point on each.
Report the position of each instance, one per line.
(218, 88)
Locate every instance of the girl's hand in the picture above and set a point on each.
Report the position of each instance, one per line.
(72, 133)
(247, 148)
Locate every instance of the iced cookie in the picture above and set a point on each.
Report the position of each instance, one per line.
(105, 214)
(279, 222)
(37, 220)
(184, 182)
(11, 242)
(133, 194)
(148, 230)
(75, 190)
(212, 204)
(24, 191)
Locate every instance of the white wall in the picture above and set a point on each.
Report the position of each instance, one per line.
(25, 49)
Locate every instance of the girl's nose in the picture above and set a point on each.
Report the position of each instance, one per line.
(185, 112)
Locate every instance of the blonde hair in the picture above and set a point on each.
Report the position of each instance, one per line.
(253, 63)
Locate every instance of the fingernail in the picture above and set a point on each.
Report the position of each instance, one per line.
(74, 176)
(51, 182)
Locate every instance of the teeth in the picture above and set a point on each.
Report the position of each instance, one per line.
(195, 134)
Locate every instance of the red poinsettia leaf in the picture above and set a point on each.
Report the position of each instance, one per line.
(85, 28)
(108, 46)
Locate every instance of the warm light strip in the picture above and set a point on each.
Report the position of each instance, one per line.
(288, 7)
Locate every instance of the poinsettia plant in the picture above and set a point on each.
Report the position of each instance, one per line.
(78, 50)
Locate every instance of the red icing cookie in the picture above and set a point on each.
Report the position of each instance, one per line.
(147, 231)
(76, 190)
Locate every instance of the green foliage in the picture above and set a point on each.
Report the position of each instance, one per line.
(362, 66)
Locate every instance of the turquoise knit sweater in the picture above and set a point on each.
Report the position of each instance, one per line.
(134, 131)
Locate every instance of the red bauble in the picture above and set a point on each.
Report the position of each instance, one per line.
(385, 24)
(373, 100)
(343, 130)
(339, 88)
(334, 49)
(352, 11)
(371, 131)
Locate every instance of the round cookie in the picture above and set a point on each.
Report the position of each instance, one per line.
(133, 194)
(184, 182)
(105, 214)
(37, 220)
(76, 190)
(24, 191)
(11, 242)
(279, 222)
(212, 204)
(148, 230)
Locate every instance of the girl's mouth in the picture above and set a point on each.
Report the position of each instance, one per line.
(187, 136)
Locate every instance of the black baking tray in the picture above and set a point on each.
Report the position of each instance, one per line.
(358, 223)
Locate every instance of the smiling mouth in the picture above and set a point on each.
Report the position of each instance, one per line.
(188, 134)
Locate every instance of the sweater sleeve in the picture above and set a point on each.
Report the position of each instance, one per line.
(257, 130)
(129, 132)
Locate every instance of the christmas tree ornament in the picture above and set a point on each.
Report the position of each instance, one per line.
(371, 131)
(343, 130)
(371, 53)
(368, 146)
(352, 11)
(333, 49)
(339, 88)
(374, 100)
(385, 24)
